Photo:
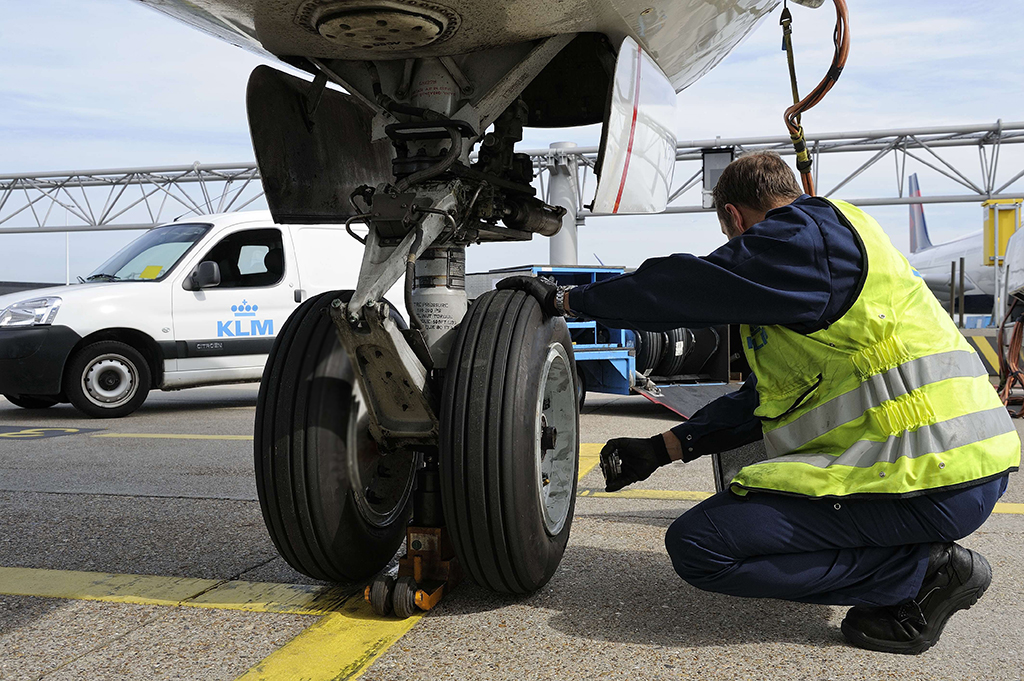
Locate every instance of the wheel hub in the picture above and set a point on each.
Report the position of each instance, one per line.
(381, 483)
(556, 439)
(110, 380)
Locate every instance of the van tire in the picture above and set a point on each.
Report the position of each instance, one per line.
(31, 401)
(316, 503)
(508, 527)
(107, 379)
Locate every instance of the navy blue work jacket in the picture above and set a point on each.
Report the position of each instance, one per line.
(798, 267)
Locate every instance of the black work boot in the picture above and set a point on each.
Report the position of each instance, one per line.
(955, 579)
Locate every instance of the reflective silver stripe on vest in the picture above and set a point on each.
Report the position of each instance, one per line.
(875, 390)
(934, 439)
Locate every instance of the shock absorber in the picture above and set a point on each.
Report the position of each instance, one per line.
(439, 297)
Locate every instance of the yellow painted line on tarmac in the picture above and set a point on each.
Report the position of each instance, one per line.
(98, 586)
(588, 458)
(347, 639)
(174, 436)
(340, 646)
(658, 494)
(291, 599)
(677, 495)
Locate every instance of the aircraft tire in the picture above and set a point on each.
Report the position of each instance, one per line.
(675, 354)
(508, 484)
(649, 348)
(335, 508)
(581, 386)
(31, 401)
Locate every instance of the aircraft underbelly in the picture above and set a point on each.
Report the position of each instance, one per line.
(685, 37)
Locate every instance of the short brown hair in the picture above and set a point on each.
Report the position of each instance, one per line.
(760, 180)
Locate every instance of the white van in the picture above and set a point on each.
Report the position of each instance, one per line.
(191, 303)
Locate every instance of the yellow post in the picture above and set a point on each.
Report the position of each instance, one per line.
(1002, 219)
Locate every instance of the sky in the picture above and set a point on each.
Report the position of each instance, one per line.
(110, 83)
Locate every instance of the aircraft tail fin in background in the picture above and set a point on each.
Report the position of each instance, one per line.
(918, 229)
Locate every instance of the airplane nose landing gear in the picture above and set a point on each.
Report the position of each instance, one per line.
(479, 408)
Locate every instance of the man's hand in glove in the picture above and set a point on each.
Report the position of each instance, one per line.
(541, 289)
(627, 460)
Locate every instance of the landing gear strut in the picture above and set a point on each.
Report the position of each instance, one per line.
(467, 420)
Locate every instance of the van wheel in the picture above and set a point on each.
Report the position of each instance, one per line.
(108, 379)
(336, 507)
(31, 401)
(509, 442)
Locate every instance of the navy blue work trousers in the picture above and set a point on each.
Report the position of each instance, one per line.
(830, 551)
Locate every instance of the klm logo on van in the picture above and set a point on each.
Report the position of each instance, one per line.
(245, 323)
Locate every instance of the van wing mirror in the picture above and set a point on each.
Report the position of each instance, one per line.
(205, 275)
(638, 152)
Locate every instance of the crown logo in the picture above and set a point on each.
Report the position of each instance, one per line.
(245, 309)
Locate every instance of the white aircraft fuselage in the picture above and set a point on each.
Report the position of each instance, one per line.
(686, 38)
(934, 265)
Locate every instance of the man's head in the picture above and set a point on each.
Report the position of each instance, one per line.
(751, 186)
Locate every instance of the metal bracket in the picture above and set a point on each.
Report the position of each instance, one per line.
(392, 379)
(383, 265)
(481, 113)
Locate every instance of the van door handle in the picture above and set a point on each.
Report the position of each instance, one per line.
(298, 295)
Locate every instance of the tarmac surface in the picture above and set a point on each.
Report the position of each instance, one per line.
(137, 551)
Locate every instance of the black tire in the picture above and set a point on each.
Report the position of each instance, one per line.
(107, 379)
(509, 525)
(335, 507)
(405, 597)
(649, 346)
(581, 386)
(31, 401)
(705, 345)
(678, 347)
(382, 592)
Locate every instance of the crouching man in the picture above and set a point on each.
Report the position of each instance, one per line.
(886, 441)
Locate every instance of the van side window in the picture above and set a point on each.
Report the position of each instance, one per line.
(251, 258)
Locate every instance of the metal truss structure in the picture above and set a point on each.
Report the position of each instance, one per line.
(991, 176)
(138, 198)
(123, 198)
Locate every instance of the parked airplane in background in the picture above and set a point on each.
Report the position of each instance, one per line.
(933, 262)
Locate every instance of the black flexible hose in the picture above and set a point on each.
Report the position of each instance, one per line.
(433, 171)
(397, 107)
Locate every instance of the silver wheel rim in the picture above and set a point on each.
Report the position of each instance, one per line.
(110, 380)
(556, 466)
(381, 483)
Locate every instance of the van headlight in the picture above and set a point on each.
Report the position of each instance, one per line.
(35, 312)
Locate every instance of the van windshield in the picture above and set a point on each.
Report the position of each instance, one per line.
(152, 256)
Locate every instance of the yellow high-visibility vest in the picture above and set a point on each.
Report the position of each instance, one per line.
(889, 399)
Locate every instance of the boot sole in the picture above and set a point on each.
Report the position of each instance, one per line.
(963, 601)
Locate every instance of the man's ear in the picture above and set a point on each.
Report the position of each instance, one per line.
(735, 225)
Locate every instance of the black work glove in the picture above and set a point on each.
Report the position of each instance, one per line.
(540, 288)
(626, 460)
